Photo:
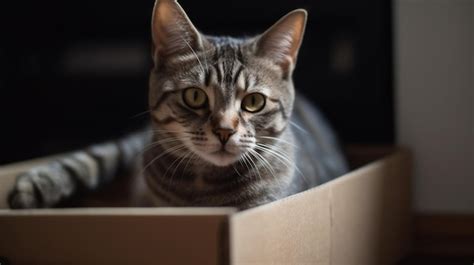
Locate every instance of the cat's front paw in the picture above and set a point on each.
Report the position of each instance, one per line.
(23, 195)
(40, 187)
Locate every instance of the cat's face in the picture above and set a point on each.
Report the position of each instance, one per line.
(217, 98)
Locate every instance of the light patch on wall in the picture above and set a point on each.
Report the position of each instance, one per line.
(342, 58)
(105, 58)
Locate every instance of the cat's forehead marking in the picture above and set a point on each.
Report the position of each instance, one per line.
(226, 69)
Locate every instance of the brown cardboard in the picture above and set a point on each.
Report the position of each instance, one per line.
(360, 218)
(296, 230)
(114, 236)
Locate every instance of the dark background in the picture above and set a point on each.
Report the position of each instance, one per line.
(72, 73)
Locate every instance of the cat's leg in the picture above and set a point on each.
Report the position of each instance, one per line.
(48, 184)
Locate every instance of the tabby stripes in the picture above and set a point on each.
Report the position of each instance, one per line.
(51, 183)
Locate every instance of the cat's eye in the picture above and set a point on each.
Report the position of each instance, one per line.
(194, 97)
(253, 102)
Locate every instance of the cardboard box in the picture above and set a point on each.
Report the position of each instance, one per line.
(363, 217)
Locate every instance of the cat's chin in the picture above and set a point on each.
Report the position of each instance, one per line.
(221, 158)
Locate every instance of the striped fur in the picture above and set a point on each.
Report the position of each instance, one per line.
(84, 170)
(272, 159)
(283, 148)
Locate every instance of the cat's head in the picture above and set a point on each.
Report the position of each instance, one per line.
(219, 96)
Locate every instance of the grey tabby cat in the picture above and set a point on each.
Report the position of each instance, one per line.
(226, 128)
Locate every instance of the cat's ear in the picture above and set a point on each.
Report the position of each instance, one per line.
(172, 31)
(282, 41)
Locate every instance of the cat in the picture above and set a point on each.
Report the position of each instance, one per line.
(227, 127)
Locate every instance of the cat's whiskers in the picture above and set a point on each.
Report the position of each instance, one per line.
(265, 162)
(236, 171)
(187, 156)
(282, 157)
(273, 173)
(154, 144)
(180, 159)
(161, 142)
(278, 139)
(187, 163)
(248, 160)
(165, 152)
(140, 114)
(271, 149)
(254, 165)
(243, 158)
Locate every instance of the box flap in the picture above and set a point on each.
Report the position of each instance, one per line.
(371, 213)
(360, 218)
(295, 230)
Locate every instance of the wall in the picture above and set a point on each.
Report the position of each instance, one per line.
(434, 75)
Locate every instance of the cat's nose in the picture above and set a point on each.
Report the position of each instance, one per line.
(223, 134)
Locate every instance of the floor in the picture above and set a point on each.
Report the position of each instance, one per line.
(445, 250)
(437, 260)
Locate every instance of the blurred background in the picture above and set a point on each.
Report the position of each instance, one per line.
(76, 73)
